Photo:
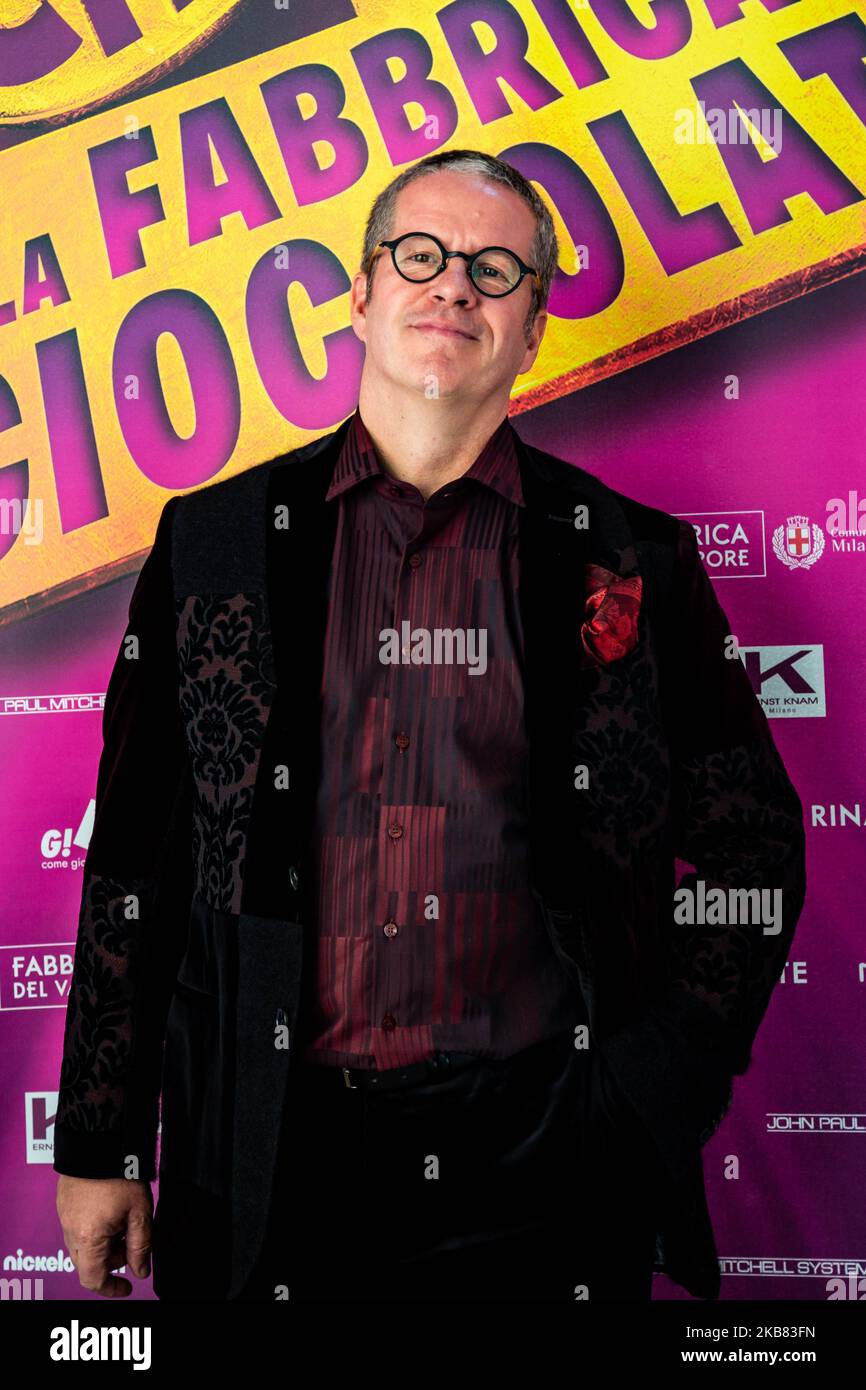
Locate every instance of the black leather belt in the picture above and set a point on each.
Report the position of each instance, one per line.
(441, 1065)
(437, 1067)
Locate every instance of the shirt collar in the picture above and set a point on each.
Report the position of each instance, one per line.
(497, 466)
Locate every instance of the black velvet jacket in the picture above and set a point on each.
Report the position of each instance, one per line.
(195, 898)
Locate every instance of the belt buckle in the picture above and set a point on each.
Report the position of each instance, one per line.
(346, 1074)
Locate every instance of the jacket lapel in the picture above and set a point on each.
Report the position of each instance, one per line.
(596, 851)
(569, 695)
(298, 539)
(297, 534)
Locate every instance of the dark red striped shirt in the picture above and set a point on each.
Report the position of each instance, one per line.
(428, 936)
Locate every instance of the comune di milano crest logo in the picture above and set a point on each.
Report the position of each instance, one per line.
(798, 543)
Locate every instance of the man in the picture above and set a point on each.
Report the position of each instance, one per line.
(418, 719)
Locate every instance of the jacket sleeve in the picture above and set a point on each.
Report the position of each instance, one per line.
(739, 822)
(136, 891)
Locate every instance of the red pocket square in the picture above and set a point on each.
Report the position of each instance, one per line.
(609, 628)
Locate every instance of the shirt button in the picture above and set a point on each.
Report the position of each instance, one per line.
(390, 929)
(395, 491)
(402, 740)
(395, 831)
(415, 560)
(389, 1023)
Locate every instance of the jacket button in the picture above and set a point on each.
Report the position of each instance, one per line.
(293, 877)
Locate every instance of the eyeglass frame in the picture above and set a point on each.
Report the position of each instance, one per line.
(468, 257)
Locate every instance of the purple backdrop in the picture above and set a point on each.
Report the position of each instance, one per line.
(787, 1215)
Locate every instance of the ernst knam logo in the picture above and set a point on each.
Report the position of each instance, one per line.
(40, 1109)
(788, 681)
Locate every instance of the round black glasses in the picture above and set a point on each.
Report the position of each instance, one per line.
(495, 270)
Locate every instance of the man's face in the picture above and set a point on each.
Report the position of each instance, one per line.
(466, 212)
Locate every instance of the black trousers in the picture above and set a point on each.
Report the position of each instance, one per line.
(519, 1179)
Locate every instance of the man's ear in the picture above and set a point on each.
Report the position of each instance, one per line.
(533, 342)
(358, 301)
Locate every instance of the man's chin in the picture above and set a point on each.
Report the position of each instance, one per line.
(437, 377)
(439, 386)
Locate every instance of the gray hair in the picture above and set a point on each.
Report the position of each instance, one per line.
(545, 248)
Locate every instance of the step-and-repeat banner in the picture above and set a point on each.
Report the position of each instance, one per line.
(183, 189)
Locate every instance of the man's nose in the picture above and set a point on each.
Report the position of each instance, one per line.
(454, 282)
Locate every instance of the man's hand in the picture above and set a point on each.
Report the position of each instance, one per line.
(106, 1223)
